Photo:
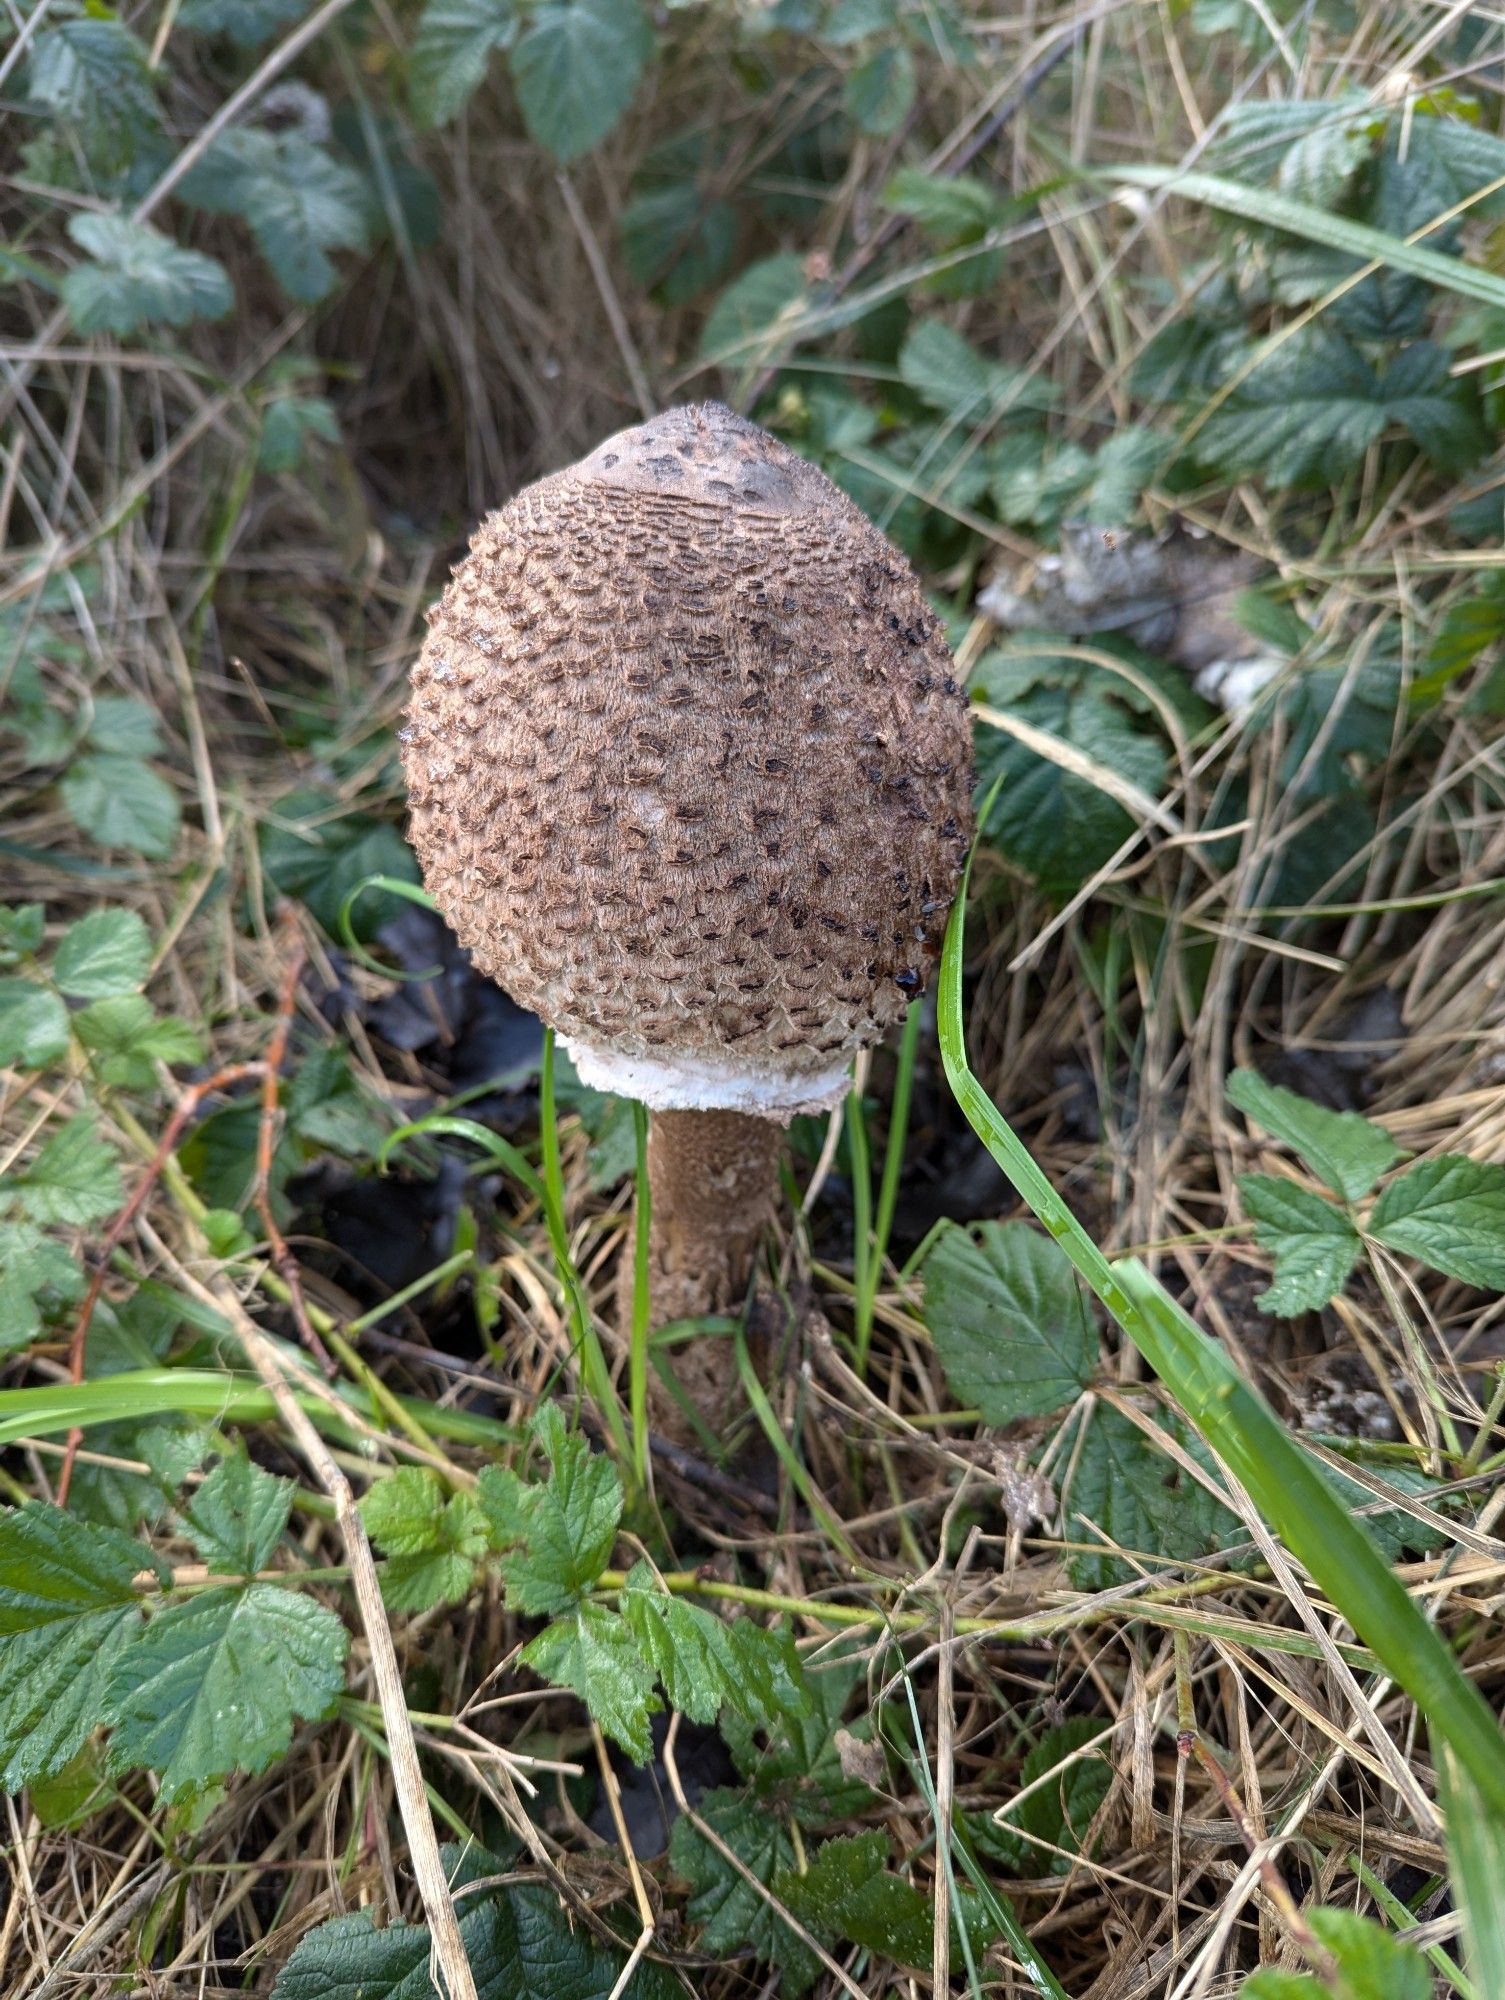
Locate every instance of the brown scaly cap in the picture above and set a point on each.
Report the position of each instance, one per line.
(689, 767)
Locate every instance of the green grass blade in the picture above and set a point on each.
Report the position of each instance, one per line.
(1476, 1856)
(587, 1342)
(1282, 1480)
(864, 1258)
(1300, 218)
(441, 1125)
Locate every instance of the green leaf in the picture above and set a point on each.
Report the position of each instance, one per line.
(567, 1527)
(1060, 827)
(1060, 1811)
(35, 1273)
(317, 859)
(52, 1689)
(576, 68)
(121, 802)
(33, 1025)
(694, 1654)
(91, 74)
(732, 1915)
(432, 1545)
(21, 928)
(246, 23)
(1315, 1246)
(950, 207)
(846, 1891)
(742, 325)
(1450, 1213)
(103, 954)
(300, 202)
(127, 1039)
(236, 1518)
(679, 241)
(288, 425)
(794, 1765)
(138, 277)
(521, 1943)
(1369, 1965)
(1008, 1319)
(880, 92)
(54, 1569)
(1126, 1490)
(456, 40)
(1476, 1856)
(214, 1684)
(124, 724)
(74, 1179)
(594, 1652)
(1347, 1151)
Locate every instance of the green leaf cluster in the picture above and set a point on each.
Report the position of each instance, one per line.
(1447, 1212)
(192, 1686)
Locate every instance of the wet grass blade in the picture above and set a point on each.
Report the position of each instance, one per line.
(1476, 1854)
(1281, 1479)
(1300, 218)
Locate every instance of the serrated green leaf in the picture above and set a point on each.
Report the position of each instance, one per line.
(127, 1039)
(679, 241)
(289, 425)
(456, 40)
(33, 1025)
(1314, 1244)
(742, 325)
(402, 1512)
(1125, 1489)
(950, 207)
(795, 1765)
(215, 1684)
(566, 1527)
(32, 1269)
(318, 861)
(1060, 1810)
(1450, 1213)
(300, 202)
(594, 1652)
(74, 1179)
(846, 1892)
(123, 724)
(1347, 1151)
(1059, 827)
(21, 927)
(692, 1652)
(138, 277)
(54, 1569)
(575, 69)
(1369, 1964)
(432, 1545)
(121, 802)
(880, 92)
(52, 1690)
(521, 1942)
(91, 74)
(732, 1915)
(106, 953)
(236, 1518)
(1008, 1319)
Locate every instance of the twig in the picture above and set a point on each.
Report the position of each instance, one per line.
(632, 361)
(640, 1894)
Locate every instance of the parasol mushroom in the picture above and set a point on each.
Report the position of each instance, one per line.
(690, 776)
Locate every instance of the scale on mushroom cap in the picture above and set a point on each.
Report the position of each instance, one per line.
(690, 776)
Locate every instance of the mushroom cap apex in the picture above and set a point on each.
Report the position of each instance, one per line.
(705, 452)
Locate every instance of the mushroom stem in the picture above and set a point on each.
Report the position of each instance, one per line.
(713, 1177)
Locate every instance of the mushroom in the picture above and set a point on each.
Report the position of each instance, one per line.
(690, 776)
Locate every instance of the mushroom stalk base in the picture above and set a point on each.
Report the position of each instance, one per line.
(713, 1180)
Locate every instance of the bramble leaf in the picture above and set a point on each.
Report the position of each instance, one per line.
(432, 1544)
(236, 1518)
(102, 955)
(215, 1683)
(33, 1024)
(576, 68)
(121, 802)
(1315, 1246)
(1126, 1490)
(456, 40)
(138, 277)
(732, 1915)
(127, 1039)
(1008, 1319)
(1450, 1213)
(594, 1652)
(1058, 1811)
(566, 1527)
(74, 1179)
(1347, 1151)
(32, 1267)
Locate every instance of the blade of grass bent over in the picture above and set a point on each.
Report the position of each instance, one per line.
(1280, 1478)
